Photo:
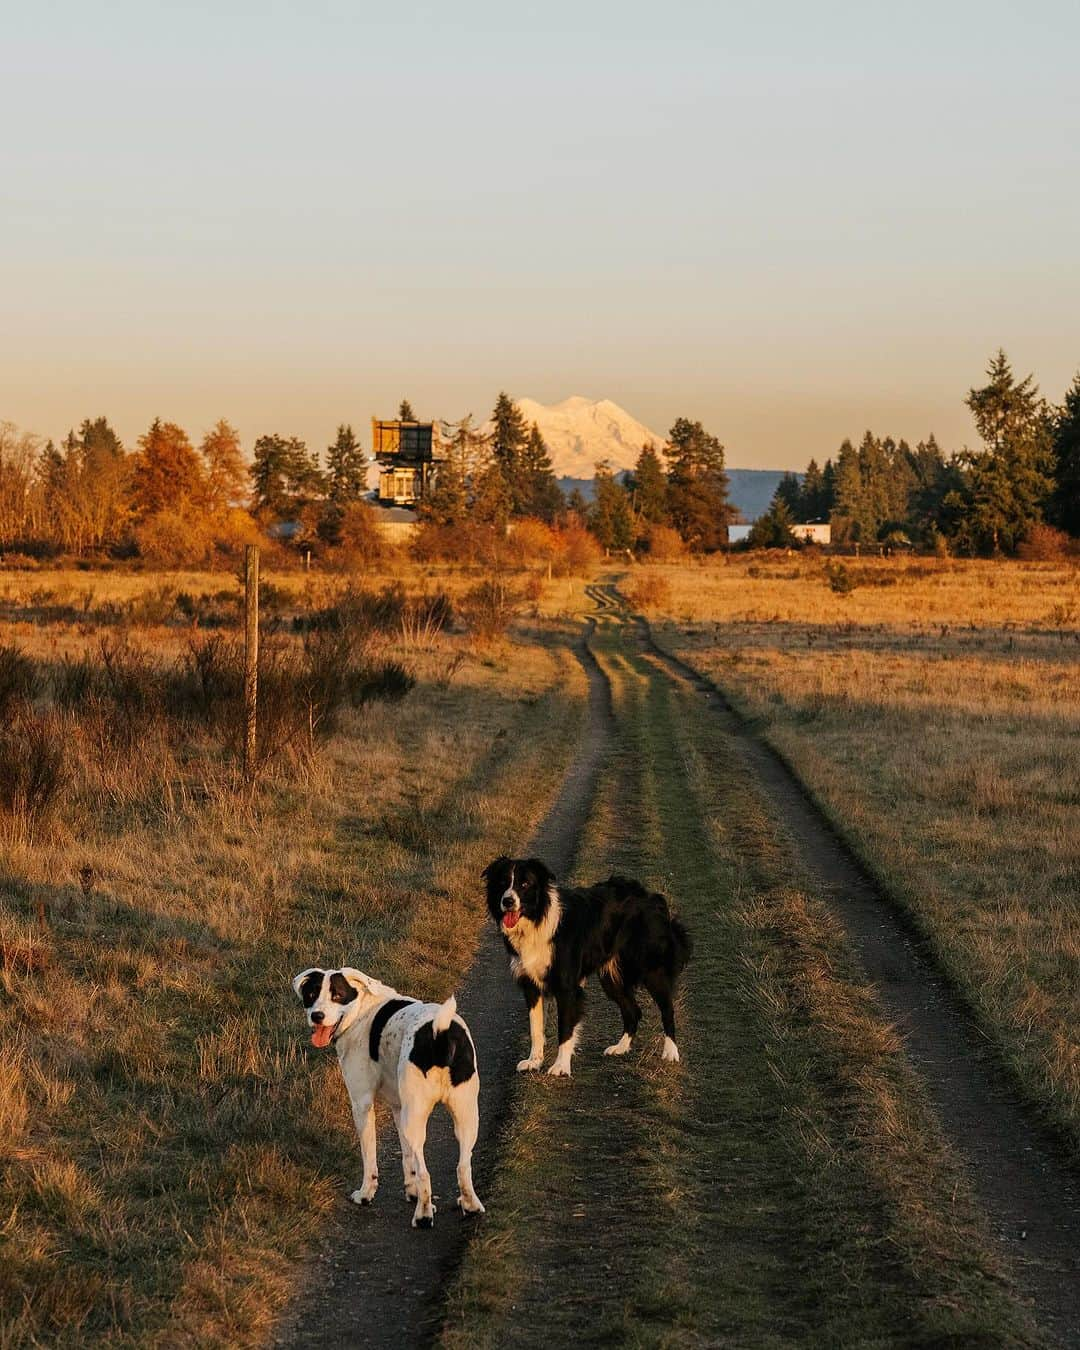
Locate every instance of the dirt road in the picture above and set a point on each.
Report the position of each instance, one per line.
(377, 1282)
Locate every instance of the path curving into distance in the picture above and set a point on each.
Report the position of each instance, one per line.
(381, 1284)
(1020, 1174)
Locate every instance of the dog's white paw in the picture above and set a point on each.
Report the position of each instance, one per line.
(470, 1206)
(620, 1047)
(529, 1065)
(670, 1051)
(559, 1070)
(364, 1196)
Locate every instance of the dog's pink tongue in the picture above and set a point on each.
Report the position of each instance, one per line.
(511, 917)
(322, 1035)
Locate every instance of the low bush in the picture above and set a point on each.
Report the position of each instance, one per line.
(178, 537)
(532, 541)
(664, 544)
(1044, 544)
(489, 610)
(649, 590)
(18, 678)
(33, 772)
(840, 579)
(578, 550)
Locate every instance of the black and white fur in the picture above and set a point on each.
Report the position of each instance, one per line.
(409, 1054)
(558, 936)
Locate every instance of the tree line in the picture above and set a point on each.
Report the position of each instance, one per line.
(1023, 480)
(490, 479)
(174, 502)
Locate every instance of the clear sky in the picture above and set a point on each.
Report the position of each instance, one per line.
(789, 220)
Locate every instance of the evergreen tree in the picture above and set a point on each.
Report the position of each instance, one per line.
(848, 508)
(405, 412)
(542, 496)
(828, 490)
(167, 471)
(346, 467)
(1010, 481)
(1065, 502)
(789, 491)
(871, 487)
(610, 517)
(285, 477)
(447, 503)
(509, 437)
(935, 478)
(576, 505)
(226, 472)
(812, 494)
(648, 487)
(697, 485)
(492, 500)
(902, 482)
(773, 529)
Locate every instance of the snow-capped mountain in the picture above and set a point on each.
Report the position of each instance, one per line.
(581, 431)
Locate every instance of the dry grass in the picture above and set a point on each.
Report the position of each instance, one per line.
(171, 1144)
(934, 712)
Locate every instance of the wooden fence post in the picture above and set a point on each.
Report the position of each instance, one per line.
(251, 654)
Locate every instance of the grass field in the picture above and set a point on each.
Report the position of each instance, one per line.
(934, 712)
(170, 1144)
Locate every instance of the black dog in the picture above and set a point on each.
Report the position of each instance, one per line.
(557, 937)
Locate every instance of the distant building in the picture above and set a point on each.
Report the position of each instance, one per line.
(405, 454)
(396, 525)
(815, 533)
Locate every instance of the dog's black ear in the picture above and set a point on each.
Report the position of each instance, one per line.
(299, 980)
(544, 874)
(493, 865)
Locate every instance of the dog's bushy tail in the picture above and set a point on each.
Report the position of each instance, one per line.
(682, 944)
(442, 1019)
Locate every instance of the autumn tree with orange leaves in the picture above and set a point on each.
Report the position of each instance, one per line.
(168, 473)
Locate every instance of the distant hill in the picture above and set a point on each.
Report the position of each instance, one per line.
(751, 489)
(580, 431)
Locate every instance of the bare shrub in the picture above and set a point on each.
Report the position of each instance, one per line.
(74, 680)
(151, 609)
(361, 539)
(533, 590)
(208, 681)
(33, 772)
(302, 692)
(18, 677)
(425, 617)
(489, 609)
(130, 681)
(467, 544)
(1044, 544)
(649, 591)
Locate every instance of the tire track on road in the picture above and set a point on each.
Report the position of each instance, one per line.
(1019, 1173)
(386, 1285)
